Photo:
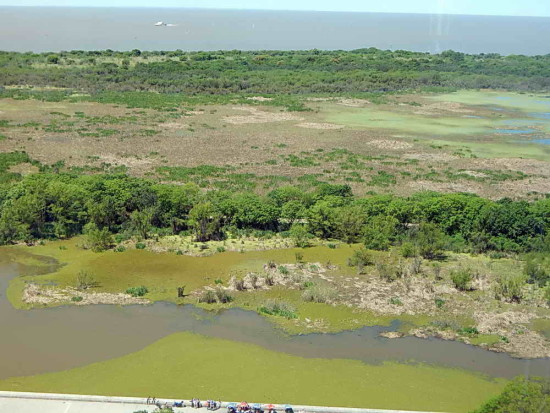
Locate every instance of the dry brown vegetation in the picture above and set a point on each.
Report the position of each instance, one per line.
(273, 146)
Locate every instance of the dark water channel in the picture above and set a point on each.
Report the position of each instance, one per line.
(44, 340)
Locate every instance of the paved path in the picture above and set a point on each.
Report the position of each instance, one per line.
(17, 402)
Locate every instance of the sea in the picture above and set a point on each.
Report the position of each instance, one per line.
(43, 29)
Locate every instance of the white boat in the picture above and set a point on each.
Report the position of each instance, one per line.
(160, 24)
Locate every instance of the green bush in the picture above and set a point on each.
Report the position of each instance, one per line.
(279, 308)
(521, 396)
(461, 279)
(137, 291)
(469, 331)
(283, 270)
(77, 299)
(396, 301)
(439, 302)
(509, 287)
(408, 250)
(360, 259)
(140, 246)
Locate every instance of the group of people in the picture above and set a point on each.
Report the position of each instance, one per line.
(242, 407)
(195, 403)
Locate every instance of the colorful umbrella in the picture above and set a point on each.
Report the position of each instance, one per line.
(270, 407)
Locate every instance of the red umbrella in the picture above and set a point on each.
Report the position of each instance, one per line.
(270, 407)
(244, 405)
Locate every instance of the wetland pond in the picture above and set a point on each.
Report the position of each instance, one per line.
(53, 339)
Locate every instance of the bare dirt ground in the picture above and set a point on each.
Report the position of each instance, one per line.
(34, 294)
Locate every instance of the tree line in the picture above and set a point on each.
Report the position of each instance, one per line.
(273, 72)
(61, 205)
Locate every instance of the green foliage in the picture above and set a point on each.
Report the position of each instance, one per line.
(137, 291)
(140, 246)
(439, 302)
(430, 240)
(380, 232)
(360, 259)
(279, 308)
(192, 78)
(537, 268)
(461, 279)
(521, 395)
(300, 235)
(206, 222)
(283, 270)
(96, 239)
(76, 299)
(509, 286)
(396, 301)
(409, 250)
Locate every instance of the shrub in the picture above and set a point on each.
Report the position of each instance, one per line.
(386, 272)
(469, 331)
(409, 250)
(320, 294)
(120, 248)
(85, 280)
(430, 240)
(300, 235)
(510, 287)
(439, 302)
(461, 279)
(278, 308)
(208, 297)
(140, 246)
(220, 249)
(299, 257)
(219, 295)
(332, 246)
(96, 239)
(218, 281)
(360, 259)
(223, 296)
(137, 291)
(395, 301)
(77, 299)
(283, 270)
(537, 269)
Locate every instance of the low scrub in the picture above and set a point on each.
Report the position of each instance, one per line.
(509, 287)
(219, 295)
(462, 279)
(320, 294)
(279, 308)
(137, 291)
(85, 280)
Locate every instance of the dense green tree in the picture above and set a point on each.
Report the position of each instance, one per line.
(380, 232)
(521, 396)
(205, 221)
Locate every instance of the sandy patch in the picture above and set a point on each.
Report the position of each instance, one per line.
(435, 157)
(323, 126)
(260, 99)
(259, 116)
(470, 187)
(441, 107)
(24, 169)
(353, 103)
(34, 294)
(129, 162)
(389, 144)
(174, 125)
